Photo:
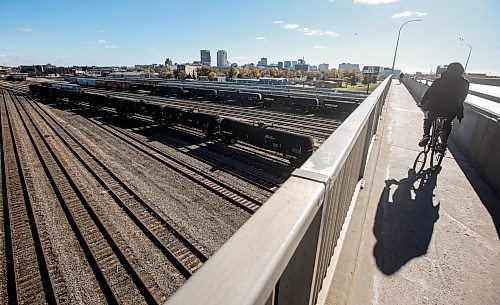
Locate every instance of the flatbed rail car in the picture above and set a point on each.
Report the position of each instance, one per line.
(295, 147)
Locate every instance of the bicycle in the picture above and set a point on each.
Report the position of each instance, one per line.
(436, 145)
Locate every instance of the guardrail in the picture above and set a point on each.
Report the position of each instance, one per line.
(477, 136)
(281, 254)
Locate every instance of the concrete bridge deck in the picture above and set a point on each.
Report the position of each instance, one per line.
(427, 238)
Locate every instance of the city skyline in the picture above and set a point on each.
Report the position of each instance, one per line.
(322, 31)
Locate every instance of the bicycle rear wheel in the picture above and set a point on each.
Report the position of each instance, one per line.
(437, 151)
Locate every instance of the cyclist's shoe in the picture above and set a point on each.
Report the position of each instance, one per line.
(424, 140)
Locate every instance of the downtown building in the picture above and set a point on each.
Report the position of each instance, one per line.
(262, 62)
(348, 67)
(205, 58)
(222, 59)
(323, 67)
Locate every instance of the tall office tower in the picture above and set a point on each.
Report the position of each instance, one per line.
(221, 59)
(287, 64)
(205, 58)
(262, 62)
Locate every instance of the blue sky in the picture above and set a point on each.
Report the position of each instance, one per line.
(112, 32)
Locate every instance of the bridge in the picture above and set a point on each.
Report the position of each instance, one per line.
(359, 224)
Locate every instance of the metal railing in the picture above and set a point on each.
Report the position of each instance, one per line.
(281, 254)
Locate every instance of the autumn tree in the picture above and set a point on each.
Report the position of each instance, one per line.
(212, 75)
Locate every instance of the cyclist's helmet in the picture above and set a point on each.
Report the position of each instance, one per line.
(455, 68)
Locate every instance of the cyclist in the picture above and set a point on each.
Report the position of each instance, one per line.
(401, 76)
(444, 98)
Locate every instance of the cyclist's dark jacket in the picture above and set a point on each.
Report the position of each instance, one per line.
(445, 97)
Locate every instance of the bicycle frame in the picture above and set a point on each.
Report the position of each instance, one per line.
(436, 146)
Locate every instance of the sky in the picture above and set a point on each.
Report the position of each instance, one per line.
(129, 32)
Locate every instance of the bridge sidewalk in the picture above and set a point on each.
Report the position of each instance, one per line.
(427, 238)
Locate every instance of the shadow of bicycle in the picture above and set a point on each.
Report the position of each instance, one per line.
(405, 219)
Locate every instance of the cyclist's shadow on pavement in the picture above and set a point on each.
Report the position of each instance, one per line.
(404, 222)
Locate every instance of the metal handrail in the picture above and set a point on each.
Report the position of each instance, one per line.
(280, 255)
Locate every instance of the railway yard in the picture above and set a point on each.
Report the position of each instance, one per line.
(99, 207)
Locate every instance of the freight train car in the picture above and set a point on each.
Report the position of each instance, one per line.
(286, 100)
(117, 84)
(207, 123)
(86, 81)
(139, 86)
(293, 146)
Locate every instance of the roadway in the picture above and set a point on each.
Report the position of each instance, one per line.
(427, 238)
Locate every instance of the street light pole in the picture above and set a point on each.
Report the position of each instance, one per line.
(470, 51)
(397, 42)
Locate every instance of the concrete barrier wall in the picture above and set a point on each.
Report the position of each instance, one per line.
(417, 90)
(485, 81)
(478, 135)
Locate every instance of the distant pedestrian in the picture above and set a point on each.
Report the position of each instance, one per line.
(401, 76)
(445, 98)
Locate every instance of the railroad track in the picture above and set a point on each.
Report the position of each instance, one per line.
(245, 175)
(317, 128)
(248, 114)
(186, 255)
(264, 184)
(263, 161)
(117, 272)
(28, 255)
(234, 196)
(112, 261)
(210, 159)
(237, 198)
(324, 122)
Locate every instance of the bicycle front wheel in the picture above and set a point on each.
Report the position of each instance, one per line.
(437, 152)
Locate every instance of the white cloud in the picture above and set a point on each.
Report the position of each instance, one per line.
(321, 47)
(25, 30)
(375, 1)
(264, 39)
(103, 43)
(314, 32)
(291, 26)
(238, 57)
(305, 30)
(278, 22)
(330, 33)
(408, 14)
